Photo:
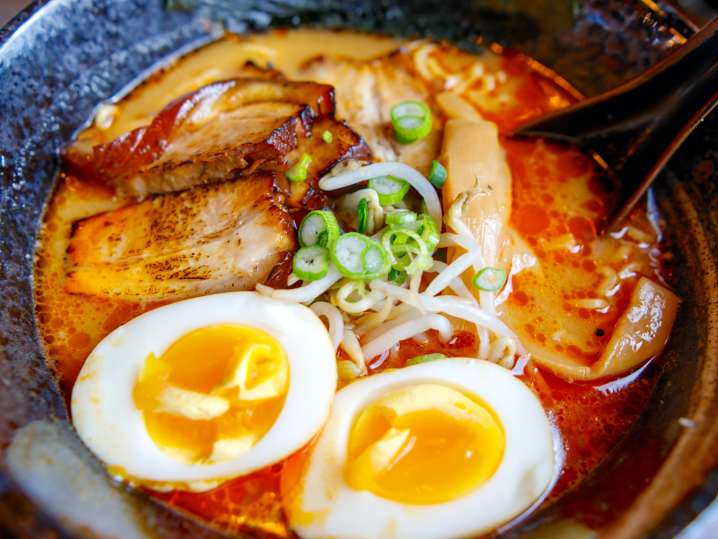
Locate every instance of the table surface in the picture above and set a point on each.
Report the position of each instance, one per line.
(8, 8)
(706, 526)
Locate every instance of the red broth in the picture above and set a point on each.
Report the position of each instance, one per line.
(556, 192)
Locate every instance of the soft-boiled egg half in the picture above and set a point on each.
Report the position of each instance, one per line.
(194, 393)
(449, 448)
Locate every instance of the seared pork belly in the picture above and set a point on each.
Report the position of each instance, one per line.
(366, 91)
(237, 141)
(210, 134)
(214, 238)
(344, 144)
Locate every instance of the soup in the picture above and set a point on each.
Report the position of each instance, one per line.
(423, 315)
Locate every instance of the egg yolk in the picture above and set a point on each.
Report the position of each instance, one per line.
(423, 444)
(213, 393)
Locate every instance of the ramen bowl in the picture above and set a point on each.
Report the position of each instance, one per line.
(60, 59)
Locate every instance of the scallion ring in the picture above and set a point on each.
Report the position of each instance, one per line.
(362, 215)
(375, 261)
(359, 257)
(320, 228)
(400, 217)
(390, 189)
(407, 250)
(397, 276)
(425, 358)
(490, 279)
(411, 121)
(311, 263)
(437, 174)
(429, 231)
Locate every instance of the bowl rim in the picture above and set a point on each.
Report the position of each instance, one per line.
(698, 503)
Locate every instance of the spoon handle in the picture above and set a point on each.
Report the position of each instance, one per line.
(637, 126)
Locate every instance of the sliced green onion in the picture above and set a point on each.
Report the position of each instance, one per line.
(411, 121)
(320, 228)
(390, 189)
(400, 217)
(311, 263)
(299, 171)
(375, 261)
(362, 215)
(490, 279)
(327, 136)
(424, 358)
(346, 254)
(397, 276)
(414, 262)
(406, 249)
(359, 257)
(437, 174)
(395, 239)
(429, 231)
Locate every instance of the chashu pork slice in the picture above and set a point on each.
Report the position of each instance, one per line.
(342, 143)
(235, 142)
(138, 162)
(219, 237)
(366, 91)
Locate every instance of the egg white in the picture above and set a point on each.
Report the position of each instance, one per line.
(105, 416)
(326, 506)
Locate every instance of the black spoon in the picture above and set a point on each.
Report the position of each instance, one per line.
(637, 127)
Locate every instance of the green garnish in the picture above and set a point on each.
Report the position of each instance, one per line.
(390, 189)
(424, 358)
(490, 279)
(298, 172)
(327, 136)
(359, 257)
(400, 217)
(397, 276)
(362, 215)
(311, 263)
(319, 227)
(437, 174)
(428, 230)
(407, 250)
(411, 121)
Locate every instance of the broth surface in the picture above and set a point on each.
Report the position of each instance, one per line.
(558, 197)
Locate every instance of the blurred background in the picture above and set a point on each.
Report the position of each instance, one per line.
(701, 11)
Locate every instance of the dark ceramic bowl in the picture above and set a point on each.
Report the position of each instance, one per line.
(59, 59)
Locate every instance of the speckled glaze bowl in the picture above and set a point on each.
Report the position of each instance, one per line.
(60, 58)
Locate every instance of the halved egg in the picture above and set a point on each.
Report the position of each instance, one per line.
(450, 448)
(194, 393)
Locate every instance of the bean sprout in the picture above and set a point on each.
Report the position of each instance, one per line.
(484, 346)
(503, 352)
(372, 320)
(305, 293)
(348, 205)
(453, 271)
(334, 320)
(398, 170)
(407, 330)
(457, 285)
(457, 240)
(350, 345)
(353, 297)
(405, 316)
